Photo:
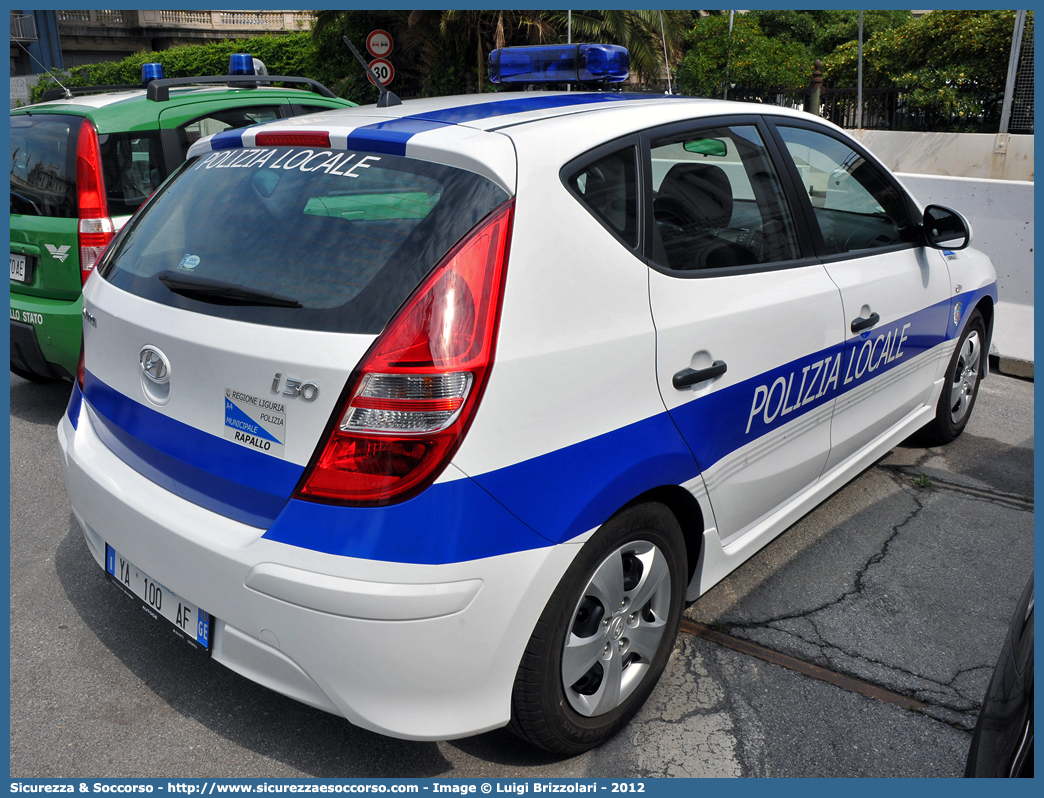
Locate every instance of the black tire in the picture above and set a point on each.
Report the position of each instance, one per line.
(32, 376)
(564, 718)
(963, 375)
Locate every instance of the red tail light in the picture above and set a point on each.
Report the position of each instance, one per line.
(410, 401)
(95, 226)
(81, 369)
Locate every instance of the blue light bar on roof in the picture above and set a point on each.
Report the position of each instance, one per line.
(241, 64)
(561, 63)
(151, 72)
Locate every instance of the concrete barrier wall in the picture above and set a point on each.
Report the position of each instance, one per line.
(986, 155)
(988, 178)
(1001, 216)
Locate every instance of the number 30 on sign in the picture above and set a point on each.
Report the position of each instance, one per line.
(383, 69)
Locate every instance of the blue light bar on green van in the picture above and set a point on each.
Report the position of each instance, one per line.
(241, 64)
(150, 72)
(562, 63)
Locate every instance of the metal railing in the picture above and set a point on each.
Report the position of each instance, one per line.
(185, 17)
(74, 16)
(111, 17)
(262, 20)
(892, 109)
(243, 18)
(23, 27)
(1022, 109)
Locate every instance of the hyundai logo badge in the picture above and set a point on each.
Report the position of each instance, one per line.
(154, 365)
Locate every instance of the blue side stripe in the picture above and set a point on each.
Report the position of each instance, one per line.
(554, 497)
(566, 492)
(214, 473)
(75, 401)
(722, 422)
(449, 522)
(390, 137)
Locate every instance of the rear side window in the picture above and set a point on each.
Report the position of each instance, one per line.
(608, 188)
(43, 165)
(345, 235)
(131, 169)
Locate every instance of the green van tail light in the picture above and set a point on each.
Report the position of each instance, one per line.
(95, 227)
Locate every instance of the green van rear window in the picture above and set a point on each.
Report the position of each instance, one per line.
(43, 165)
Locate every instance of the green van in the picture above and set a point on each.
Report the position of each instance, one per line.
(82, 165)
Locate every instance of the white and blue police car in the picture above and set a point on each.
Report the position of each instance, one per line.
(435, 415)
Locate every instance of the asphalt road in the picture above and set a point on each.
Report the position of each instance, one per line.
(905, 579)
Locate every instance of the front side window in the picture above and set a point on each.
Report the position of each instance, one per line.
(718, 202)
(856, 207)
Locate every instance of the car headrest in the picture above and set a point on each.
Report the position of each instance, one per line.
(703, 189)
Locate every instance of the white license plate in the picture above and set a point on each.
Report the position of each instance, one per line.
(188, 620)
(18, 268)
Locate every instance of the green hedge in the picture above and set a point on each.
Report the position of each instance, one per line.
(292, 54)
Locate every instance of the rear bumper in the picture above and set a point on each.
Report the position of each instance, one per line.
(46, 335)
(415, 651)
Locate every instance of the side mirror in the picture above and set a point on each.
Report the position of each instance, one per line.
(945, 228)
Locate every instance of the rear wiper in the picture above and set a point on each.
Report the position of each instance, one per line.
(219, 292)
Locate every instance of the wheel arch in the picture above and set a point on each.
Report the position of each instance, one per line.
(985, 307)
(686, 509)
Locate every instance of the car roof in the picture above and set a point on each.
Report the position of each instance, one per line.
(133, 104)
(451, 130)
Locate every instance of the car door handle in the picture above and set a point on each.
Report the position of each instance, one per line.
(686, 377)
(860, 324)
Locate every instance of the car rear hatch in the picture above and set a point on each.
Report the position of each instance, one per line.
(228, 317)
(73, 183)
(43, 205)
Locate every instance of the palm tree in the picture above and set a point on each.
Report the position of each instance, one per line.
(428, 39)
(638, 30)
(490, 30)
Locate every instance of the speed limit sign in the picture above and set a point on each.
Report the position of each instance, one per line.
(383, 70)
(379, 43)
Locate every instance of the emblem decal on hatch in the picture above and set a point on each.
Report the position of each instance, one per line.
(154, 365)
(255, 422)
(61, 253)
(306, 390)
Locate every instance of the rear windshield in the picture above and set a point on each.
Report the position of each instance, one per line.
(345, 235)
(43, 165)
